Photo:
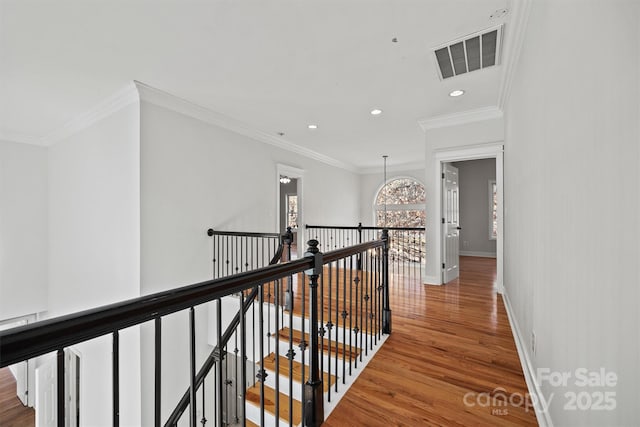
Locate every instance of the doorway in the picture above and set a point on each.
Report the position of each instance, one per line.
(445, 157)
(46, 390)
(289, 205)
(23, 371)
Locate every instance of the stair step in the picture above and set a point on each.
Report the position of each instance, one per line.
(250, 424)
(270, 364)
(343, 351)
(253, 396)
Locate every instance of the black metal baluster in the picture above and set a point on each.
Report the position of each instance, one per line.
(344, 315)
(386, 323)
(60, 388)
(192, 368)
(158, 372)
(236, 365)
(350, 312)
(367, 298)
(203, 421)
(337, 324)
(116, 379)
(322, 330)
(361, 300)
(290, 355)
(261, 372)
(303, 342)
(277, 356)
(220, 355)
(243, 359)
(329, 326)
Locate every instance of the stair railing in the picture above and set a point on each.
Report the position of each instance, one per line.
(406, 250)
(356, 299)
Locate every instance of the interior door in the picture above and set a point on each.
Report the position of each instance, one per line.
(450, 223)
(22, 381)
(46, 397)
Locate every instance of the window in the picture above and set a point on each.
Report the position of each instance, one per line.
(405, 204)
(493, 210)
(292, 210)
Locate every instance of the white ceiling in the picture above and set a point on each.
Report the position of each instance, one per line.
(276, 65)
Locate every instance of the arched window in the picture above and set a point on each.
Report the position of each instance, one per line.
(405, 204)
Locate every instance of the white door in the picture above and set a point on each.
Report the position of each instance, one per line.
(20, 371)
(450, 223)
(46, 396)
(72, 388)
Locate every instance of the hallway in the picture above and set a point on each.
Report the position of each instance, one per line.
(451, 360)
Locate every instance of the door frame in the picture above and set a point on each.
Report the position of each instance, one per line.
(292, 172)
(488, 151)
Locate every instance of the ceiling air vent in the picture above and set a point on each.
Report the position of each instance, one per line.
(469, 53)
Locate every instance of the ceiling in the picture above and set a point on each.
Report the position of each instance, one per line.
(275, 65)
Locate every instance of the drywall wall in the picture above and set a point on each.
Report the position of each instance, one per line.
(195, 175)
(94, 247)
(474, 177)
(571, 199)
(439, 139)
(23, 229)
(370, 184)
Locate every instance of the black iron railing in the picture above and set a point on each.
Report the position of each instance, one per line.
(235, 252)
(406, 251)
(341, 313)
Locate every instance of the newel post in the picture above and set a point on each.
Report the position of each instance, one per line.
(386, 308)
(288, 296)
(313, 390)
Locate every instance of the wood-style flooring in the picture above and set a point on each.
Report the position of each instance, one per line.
(12, 412)
(451, 360)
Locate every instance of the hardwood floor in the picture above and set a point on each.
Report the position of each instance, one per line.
(12, 413)
(450, 344)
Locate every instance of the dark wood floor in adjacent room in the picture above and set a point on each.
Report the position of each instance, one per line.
(12, 412)
(448, 342)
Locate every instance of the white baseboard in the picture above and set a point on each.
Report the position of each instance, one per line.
(478, 254)
(544, 419)
(431, 280)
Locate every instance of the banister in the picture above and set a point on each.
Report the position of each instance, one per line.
(36, 339)
(212, 232)
(363, 227)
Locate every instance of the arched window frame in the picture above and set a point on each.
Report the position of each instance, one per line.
(396, 207)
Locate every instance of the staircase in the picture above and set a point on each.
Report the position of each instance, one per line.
(341, 361)
(294, 342)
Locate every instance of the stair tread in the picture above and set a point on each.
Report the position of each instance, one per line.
(339, 348)
(253, 396)
(251, 424)
(270, 364)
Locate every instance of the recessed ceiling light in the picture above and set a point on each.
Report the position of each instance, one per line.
(376, 112)
(456, 92)
(313, 126)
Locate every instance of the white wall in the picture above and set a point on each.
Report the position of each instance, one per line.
(476, 133)
(474, 177)
(370, 184)
(195, 175)
(571, 199)
(23, 229)
(94, 247)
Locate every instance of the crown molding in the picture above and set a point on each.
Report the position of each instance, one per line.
(21, 138)
(188, 108)
(404, 167)
(513, 47)
(469, 116)
(124, 97)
